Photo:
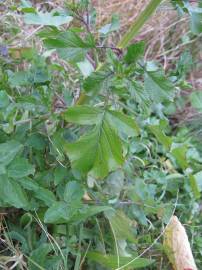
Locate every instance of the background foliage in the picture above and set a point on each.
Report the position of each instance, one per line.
(93, 163)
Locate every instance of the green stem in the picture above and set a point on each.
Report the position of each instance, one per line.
(138, 23)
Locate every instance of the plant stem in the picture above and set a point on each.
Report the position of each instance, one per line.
(138, 23)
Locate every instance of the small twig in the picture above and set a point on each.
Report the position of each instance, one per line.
(118, 50)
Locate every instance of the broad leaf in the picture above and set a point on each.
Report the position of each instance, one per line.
(160, 135)
(101, 148)
(69, 45)
(157, 86)
(83, 115)
(61, 212)
(122, 123)
(85, 67)
(98, 81)
(20, 167)
(101, 151)
(110, 27)
(134, 52)
(45, 195)
(111, 261)
(73, 192)
(58, 213)
(8, 151)
(196, 100)
(179, 152)
(89, 211)
(4, 100)
(46, 18)
(12, 193)
(121, 225)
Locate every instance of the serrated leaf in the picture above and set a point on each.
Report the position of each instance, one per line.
(20, 167)
(98, 81)
(101, 148)
(101, 151)
(157, 86)
(8, 151)
(134, 52)
(12, 193)
(122, 123)
(69, 45)
(160, 135)
(47, 18)
(110, 261)
(83, 115)
(58, 213)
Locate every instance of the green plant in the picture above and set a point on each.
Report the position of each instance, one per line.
(88, 159)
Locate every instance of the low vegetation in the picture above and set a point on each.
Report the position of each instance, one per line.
(93, 162)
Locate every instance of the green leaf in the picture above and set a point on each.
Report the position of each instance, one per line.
(134, 52)
(45, 195)
(2, 169)
(83, 115)
(35, 75)
(12, 193)
(58, 213)
(101, 151)
(138, 23)
(196, 100)
(89, 211)
(61, 212)
(198, 179)
(8, 151)
(28, 184)
(121, 225)
(4, 100)
(73, 192)
(20, 167)
(69, 45)
(195, 187)
(179, 152)
(98, 81)
(196, 19)
(101, 148)
(110, 27)
(160, 135)
(158, 87)
(85, 67)
(122, 123)
(46, 18)
(39, 256)
(110, 261)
